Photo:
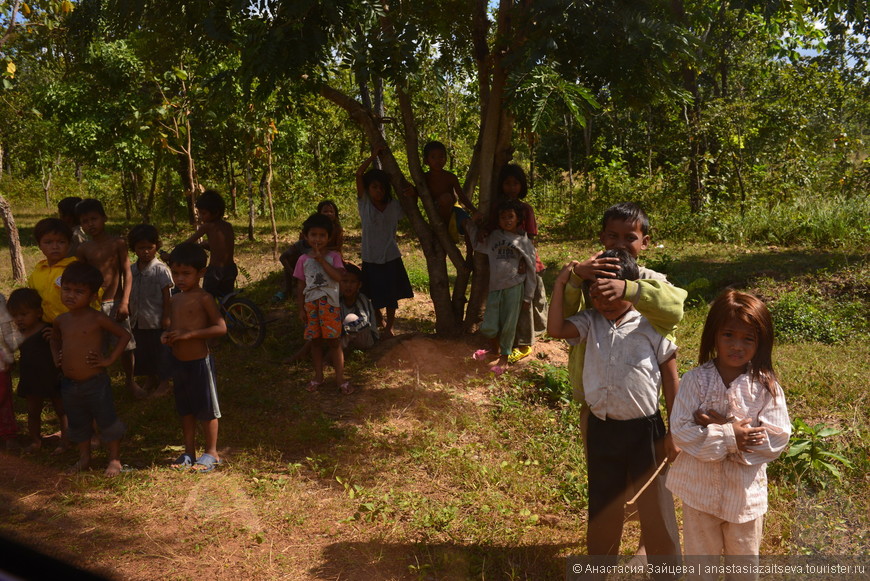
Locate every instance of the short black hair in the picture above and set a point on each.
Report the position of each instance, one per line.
(24, 298)
(317, 221)
(212, 202)
(189, 254)
(433, 146)
(511, 206)
(353, 270)
(143, 232)
(67, 206)
(379, 175)
(512, 170)
(626, 212)
(325, 203)
(79, 272)
(628, 269)
(89, 205)
(52, 226)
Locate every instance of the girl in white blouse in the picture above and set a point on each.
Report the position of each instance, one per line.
(730, 420)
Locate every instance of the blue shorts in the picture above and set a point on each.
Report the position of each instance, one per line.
(195, 388)
(89, 401)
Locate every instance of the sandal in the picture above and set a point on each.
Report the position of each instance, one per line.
(313, 385)
(346, 388)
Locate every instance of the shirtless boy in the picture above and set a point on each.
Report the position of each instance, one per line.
(443, 185)
(77, 347)
(109, 254)
(220, 276)
(194, 319)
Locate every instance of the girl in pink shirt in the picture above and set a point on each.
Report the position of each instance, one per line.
(729, 420)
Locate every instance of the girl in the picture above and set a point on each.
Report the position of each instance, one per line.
(512, 185)
(730, 420)
(290, 256)
(385, 280)
(38, 376)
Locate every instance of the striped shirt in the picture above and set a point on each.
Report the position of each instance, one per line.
(711, 474)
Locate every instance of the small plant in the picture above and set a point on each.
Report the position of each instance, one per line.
(809, 454)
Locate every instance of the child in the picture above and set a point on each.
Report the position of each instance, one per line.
(730, 420)
(220, 276)
(357, 313)
(290, 256)
(511, 280)
(9, 340)
(66, 210)
(193, 320)
(77, 347)
(149, 305)
(109, 254)
(38, 376)
(385, 280)
(512, 185)
(627, 364)
(53, 238)
(445, 190)
(318, 300)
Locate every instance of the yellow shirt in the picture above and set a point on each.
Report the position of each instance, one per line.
(46, 280)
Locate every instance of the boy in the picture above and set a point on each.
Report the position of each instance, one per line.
(66, 210)
(109, 254)
(220, 276)
(511, 280)
(149, 306)
(445, 189)
(193, 320)
(53, 238)
(623, 226)
(357, 314)
(627, 364)
(318, 299)
(77, 347)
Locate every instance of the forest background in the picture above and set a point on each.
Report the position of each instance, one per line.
(740, 126)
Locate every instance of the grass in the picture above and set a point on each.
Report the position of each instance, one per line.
(434, 470)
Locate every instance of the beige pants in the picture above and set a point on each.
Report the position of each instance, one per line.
(707, 536)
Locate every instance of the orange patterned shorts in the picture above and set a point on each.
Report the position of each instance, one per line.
(324, 320)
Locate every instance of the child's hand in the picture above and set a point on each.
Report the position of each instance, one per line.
(709, 417)
(94, 359)
(593, 267)
(671, 449)
(748, 436)
(610, 289)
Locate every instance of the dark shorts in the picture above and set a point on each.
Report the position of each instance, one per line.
(220, 280)
(89, 401)
(195, 388)
(386, 284)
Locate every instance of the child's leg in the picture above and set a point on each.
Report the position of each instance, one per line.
(34, 422)
(317, 358)
(113, 449)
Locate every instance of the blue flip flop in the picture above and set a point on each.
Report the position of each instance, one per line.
(183, 462)
(206, 463)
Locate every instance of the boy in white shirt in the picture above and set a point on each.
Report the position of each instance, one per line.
(627, 363)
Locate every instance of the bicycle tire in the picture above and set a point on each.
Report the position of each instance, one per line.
(246, 325)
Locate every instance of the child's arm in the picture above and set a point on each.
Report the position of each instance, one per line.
(557, 325)
(670, 385)
(126, 285)
(95, 359)
(360, 186)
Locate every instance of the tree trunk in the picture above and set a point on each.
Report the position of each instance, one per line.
(17, 259)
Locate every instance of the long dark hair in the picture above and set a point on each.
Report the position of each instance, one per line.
(750, 310)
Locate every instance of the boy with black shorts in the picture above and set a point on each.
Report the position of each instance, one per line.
(193, 320)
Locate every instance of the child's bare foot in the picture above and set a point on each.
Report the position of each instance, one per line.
(136, 390)
(113, 469)
(79, 466)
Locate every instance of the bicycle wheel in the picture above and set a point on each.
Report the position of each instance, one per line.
(246, 326)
